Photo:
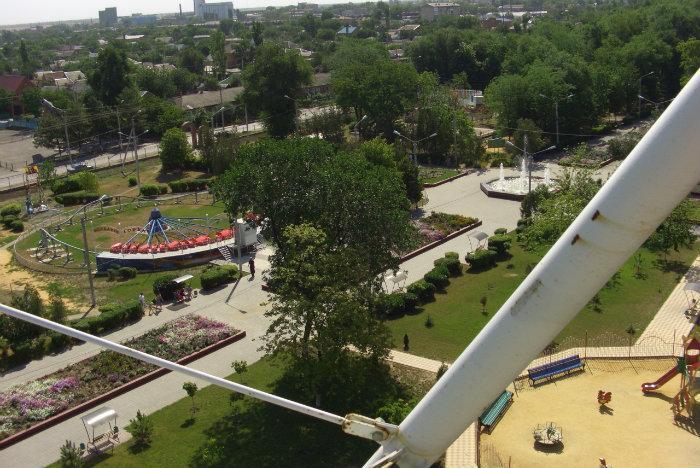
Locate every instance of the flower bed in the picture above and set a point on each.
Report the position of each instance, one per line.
(437, 226)
(25, 404)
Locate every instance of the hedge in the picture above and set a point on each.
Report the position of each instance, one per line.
(500, 243)
(17, 225)
(76, 198)
(481, 259)
(66, 185)
(424, 291)
(501, 231)
(438, 277)
(189, 185)
(7, 220)
(127, 272)
(111, 316)
(396, 304)
(149, 190)
(165, 287)
(216, 276)
(452, 255)
(452, 265)
(12, 209)
(133, 182)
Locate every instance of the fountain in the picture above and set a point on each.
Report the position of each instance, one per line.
(515, 188)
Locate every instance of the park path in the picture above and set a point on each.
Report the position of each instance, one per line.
(670, 323)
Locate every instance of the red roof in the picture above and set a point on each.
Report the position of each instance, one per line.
(13, 83)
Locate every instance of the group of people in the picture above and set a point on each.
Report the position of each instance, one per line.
(183, 294)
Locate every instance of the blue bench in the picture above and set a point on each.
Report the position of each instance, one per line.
(553, 369)
(493, 413)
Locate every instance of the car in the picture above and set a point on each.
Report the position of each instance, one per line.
(72, 169)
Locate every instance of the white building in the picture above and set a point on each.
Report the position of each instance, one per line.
(219, 11)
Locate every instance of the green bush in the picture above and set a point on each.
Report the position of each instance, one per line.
(452, 265)
(127, 272)
(438, 277)
(452, 255)
(111, 316)
(481, 259)
(216, 276)
(149, 190)
(141, 429)
(165, 286)
(424, 291)
(500, 243)
(84, 181)
(17, 225)
(76, 198)
(396, 304)
(132, 182)
(189, 185)
(501, 231)
(7, 220)
(11, 209)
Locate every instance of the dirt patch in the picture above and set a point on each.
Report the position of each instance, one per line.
(14, 278)
(636, 430)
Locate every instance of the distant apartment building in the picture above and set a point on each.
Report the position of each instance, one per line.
(108, 17)
(430, 11)
(217, 11)
(137, 19)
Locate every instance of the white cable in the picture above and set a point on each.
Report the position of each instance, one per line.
(145, 357)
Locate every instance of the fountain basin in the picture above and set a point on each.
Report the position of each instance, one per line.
(510, 188)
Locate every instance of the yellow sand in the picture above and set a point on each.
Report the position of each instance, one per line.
(638, 430)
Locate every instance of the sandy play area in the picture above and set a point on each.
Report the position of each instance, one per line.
(638, 430)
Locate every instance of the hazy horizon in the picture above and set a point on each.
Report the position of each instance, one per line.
(40, 11)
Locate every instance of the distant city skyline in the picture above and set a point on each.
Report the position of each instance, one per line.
(40, 11)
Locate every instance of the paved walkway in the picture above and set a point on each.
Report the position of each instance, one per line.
(670, 322)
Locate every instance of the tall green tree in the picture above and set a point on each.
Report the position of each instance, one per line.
(111, 74)
(675, 232)
(257, 33)
(272, 96)
(174, 149)
(218, 52)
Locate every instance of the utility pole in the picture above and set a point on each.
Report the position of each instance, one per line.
(65, 128)
(136, 153)
(529, 165)
(86, 253)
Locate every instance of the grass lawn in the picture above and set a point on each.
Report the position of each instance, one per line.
(457, 314)
(432, 175)
(245, 433)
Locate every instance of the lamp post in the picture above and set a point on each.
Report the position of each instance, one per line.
(415, 143)
(49, 105)
(639, 94)
(556, 111)
(529, 158)
(356, 128)
(214, 115)
(656, 104)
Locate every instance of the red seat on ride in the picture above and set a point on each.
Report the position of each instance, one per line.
(116, 248)
(202, 240)
(144, 249)
(134, 248)
(173, 246)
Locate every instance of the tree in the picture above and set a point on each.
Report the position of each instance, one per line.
(307, 181)
(396, 411)
(380, 153)
(191, 389)
(240, 368)
(330, 124)
(218, 52)
(31, 99)
(675, 232)
(320, 309)
(46, 176)
(141, 429)
(57, 311)
(192, 60)
(71, 456)
(257, 33)
(174, 149)
(111, 74)
(275, 98)
(226, 26)
(690, 58)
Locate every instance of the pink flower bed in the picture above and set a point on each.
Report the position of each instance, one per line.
(23, 405)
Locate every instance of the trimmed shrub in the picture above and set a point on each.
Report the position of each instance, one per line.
(396, 304)
(189, 185)
(452, 265)
(438, 277)
(481, 259)
(7, 220)
(424, 291)
(127, 272)
(17, 225)
(501, 231)
(150, 190)
(215, 277)
(66, 185)
(76, 198)
(500, 243)
(452, 255)
(132, 182)
(165, 286)
(111, 316)
(11, 209)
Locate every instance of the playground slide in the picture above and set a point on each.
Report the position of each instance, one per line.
(650, 387)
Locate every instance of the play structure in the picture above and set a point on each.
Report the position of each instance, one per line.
(166, 243)
(691, 353)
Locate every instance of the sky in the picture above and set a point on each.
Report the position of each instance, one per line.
(34, 11)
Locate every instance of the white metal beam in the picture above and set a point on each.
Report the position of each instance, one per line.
(656, 176)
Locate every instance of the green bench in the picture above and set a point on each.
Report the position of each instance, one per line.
(493, 413)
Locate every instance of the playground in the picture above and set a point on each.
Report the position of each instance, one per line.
(632, 429)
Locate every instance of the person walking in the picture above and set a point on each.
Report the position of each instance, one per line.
(405, 342)
(142, 301)
(251, 266)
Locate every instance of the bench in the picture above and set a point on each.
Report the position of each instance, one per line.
(553, 369)
(493, 413)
